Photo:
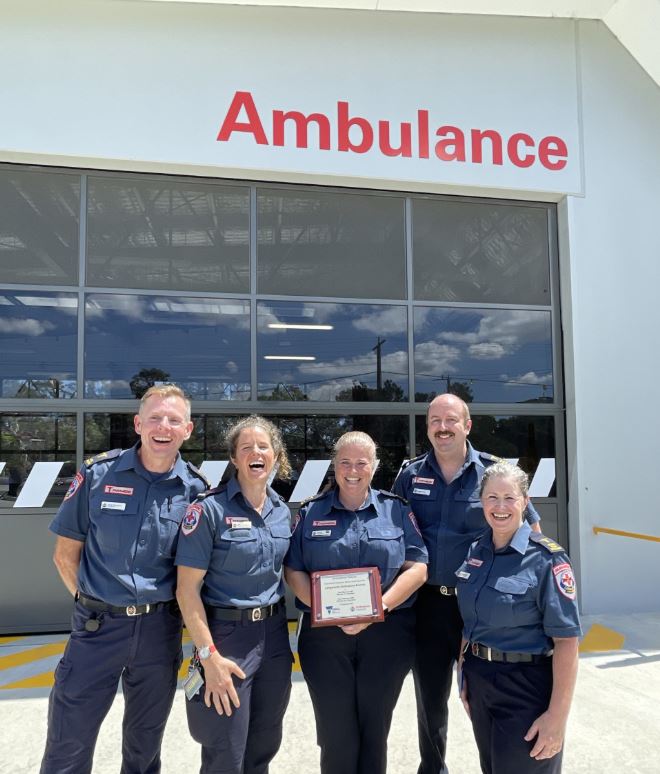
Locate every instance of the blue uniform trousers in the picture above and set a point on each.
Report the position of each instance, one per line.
(354, 683)
(247, 741)
(505, 699)
(439, 627)
(145, 653)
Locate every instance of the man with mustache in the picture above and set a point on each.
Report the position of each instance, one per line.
(442, 487)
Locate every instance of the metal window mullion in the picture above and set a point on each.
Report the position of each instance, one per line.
(411, 319)
(253, 293)
(80, 353)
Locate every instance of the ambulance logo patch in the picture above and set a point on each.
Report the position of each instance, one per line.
(191, 519)
(73, 486)
(565, 579)
(296, 521)
(413, 521)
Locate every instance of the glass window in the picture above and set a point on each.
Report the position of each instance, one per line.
(26, 439)
(167, 235)
(488, 356)
(492, 253)
(201, 344)
(38, 335)
(330, 244)
(332, 352)
(39, 214)
(528, 439)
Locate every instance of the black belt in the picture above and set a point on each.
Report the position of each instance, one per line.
(493, 654)
(446, 591)
(238, 614)
(130, 610)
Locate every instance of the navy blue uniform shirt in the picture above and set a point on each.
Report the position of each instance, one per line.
(128, 519)
(381, 533)
(241, 550)
(517, 598)
(450, 516)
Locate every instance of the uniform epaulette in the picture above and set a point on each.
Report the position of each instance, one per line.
(548, 543)
(407, 463)
(318, 496)
(212, 491)
(392, 495)
(198, 473)
(489, 457)
(102, 457)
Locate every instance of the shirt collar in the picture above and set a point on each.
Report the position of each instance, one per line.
(131, 460)
(518, 542)
(470, 456)
(234, 489)
(337, 503)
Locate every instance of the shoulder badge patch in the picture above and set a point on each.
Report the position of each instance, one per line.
(565, 579)
(191, 518)
(413, 521)
(74, 485)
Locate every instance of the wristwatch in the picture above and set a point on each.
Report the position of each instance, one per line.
(206, 651)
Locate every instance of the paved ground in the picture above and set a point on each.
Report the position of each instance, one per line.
(614, 726)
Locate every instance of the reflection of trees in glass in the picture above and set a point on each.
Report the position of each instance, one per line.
(462, 389)
(42, 388)
(390, 391)
(146, 378)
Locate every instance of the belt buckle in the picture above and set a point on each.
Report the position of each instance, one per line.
(255, 614)
(474, 647)
(131, 610)
(443, 591)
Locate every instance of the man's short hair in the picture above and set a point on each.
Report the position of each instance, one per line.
(466, 408)
(166, 391)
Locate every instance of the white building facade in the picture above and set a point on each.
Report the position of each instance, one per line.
(328, 215)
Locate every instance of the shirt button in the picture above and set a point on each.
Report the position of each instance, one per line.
(143, 542)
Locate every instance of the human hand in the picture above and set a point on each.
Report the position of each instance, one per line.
(549, 732)
(220, 689)
(355, 628)
(462, 684)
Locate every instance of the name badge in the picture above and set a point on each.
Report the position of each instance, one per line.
(417, 490)
(240, 524)
(420, 480)
(475, 562)
(118, 490)
(110, 506)
(321, 532)
(326, 523)
(462, 574)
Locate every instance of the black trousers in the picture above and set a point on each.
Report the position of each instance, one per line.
(247, 741)
(505, 699)
(354, 683)
(143, 652)
(439, 627)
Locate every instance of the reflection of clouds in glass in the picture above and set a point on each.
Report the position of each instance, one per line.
(383, 322)
(28, 327)
(436, 359)
(486, 351)
(395, 362)
(231, 367)
(498, 333)
(306, 314)
(529, 378)
(131, 307)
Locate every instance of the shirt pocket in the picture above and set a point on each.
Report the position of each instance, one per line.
(385, 547)
(281, 534)
(512, 600)
(239, 551)
(169, 520)
(469, 505)
(114, 523)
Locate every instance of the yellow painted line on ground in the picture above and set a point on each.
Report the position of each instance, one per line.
(9, 640)
(32, 654)
(622, 533)
(43, 680)
(600, 639)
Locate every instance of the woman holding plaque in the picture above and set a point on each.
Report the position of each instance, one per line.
(231, 592)
(354, 671)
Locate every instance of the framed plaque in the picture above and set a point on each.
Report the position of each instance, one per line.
(346, 596)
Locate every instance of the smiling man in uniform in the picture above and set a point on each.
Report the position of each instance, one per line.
(117, 531)
(442, 488)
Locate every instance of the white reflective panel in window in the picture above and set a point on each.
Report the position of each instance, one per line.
(332, 352)
(490, 356)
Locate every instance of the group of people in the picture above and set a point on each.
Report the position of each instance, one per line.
(466, 578)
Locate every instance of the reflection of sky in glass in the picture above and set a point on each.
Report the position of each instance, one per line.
(365, 345)
(499, 355)
(38, 333)
(201, 344)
